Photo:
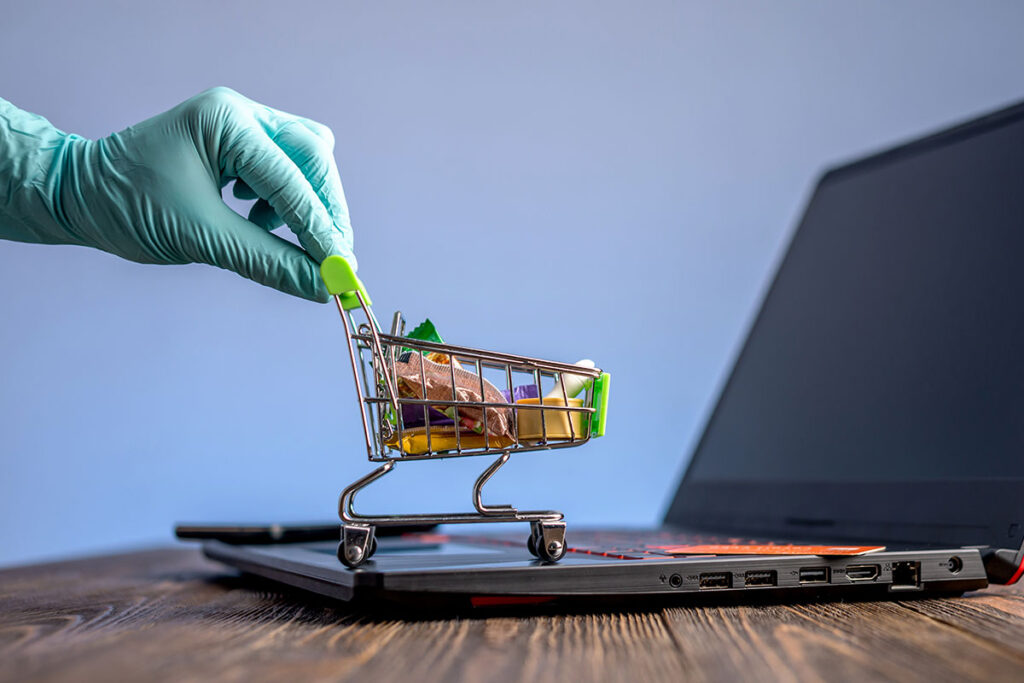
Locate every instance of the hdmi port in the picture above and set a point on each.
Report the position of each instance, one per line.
(717, 580)
(862, 572)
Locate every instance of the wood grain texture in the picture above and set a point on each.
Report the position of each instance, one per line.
(172, 615)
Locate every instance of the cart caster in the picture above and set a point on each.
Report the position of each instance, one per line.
(547, 541)
(358, 544)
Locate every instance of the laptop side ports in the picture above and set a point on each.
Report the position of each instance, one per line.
(715, 580)
(760, 577)
(863, 572)
(906, 576)
(815, 574)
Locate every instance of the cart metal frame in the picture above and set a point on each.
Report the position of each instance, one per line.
(373, 356)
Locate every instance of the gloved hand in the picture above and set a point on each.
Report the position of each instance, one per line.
(151, 193)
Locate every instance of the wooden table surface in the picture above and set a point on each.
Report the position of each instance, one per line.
(172, 615)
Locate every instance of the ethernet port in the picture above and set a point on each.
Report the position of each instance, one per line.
(906, 576)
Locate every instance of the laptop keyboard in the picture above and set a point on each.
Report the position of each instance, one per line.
(624, 545)
(627, 545)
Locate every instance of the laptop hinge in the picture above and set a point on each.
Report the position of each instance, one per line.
(1003, 565)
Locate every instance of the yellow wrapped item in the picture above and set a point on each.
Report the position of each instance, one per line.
(443, 438)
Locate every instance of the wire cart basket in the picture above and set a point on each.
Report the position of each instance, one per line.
(424, 399)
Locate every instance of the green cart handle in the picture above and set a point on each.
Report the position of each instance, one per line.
(342, 282)
(599, 418)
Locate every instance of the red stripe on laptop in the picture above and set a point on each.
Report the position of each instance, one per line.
(1017, 574)
(500, 600)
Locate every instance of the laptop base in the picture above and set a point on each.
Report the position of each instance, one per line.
(431, 569)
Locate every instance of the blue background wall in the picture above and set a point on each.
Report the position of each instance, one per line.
(644, 160)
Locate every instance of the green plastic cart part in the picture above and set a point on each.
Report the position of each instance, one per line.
(342, 282)
(599, 418)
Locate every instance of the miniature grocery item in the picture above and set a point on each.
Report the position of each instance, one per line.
(419, 377)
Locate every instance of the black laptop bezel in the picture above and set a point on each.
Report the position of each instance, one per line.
(950, 513)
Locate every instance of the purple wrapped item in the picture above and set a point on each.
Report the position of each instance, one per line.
(521, 392)
(412, 415)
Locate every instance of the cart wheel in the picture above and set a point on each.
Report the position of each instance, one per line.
(550, 546)
(531, 544)
(353, 563)
(354, 539)
(344, 557)
(549, 554)
(533, 540)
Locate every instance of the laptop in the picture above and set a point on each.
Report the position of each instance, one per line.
(869, 440)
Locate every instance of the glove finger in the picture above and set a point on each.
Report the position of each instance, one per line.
(242, 191)
(278, 119)
(320, 130)
(228, 241)
(263, 215)
(264, 166)
(311, 152)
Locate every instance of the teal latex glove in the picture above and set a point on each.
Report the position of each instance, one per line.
(151, 193)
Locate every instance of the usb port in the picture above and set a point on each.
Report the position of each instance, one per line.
(862, 572)
(716, 580)
(761, 577)
(814, 574)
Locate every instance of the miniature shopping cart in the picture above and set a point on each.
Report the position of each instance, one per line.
(422, 399)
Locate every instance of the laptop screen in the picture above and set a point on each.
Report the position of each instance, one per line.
(890, 347)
